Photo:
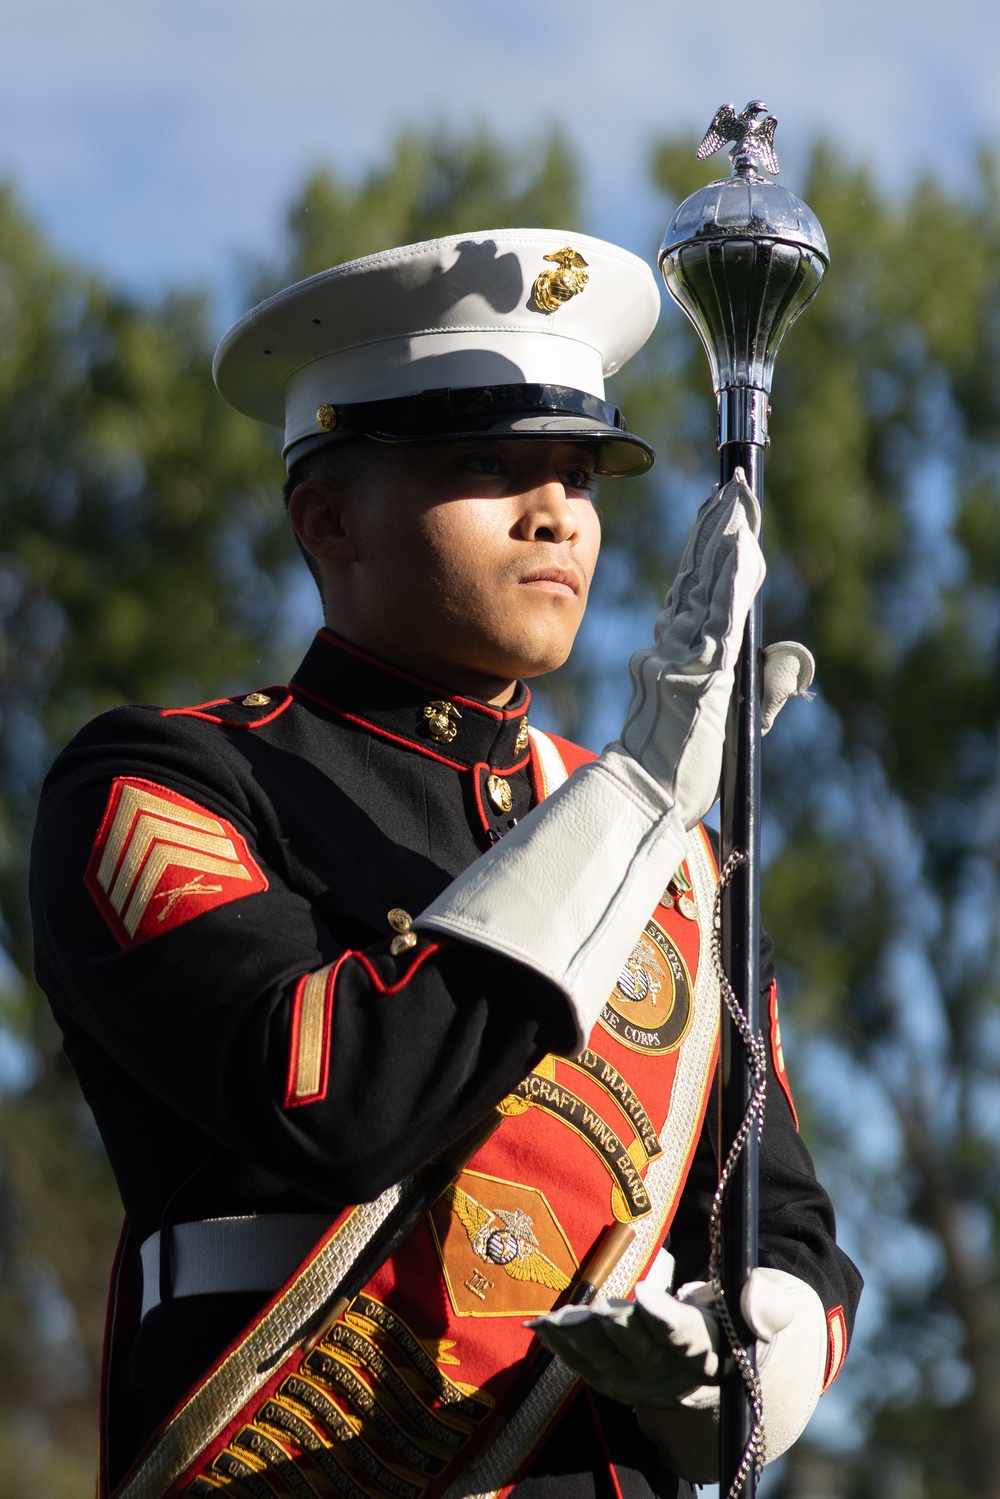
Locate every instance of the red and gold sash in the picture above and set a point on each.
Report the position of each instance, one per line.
(416, 1391)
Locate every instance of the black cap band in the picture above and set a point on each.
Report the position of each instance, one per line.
(446, 412)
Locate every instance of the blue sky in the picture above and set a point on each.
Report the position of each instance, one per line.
(159, 139)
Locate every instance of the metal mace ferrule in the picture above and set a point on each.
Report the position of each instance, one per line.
(743, 413)
(743, 257)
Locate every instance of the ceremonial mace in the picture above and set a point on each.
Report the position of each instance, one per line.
(742, 257)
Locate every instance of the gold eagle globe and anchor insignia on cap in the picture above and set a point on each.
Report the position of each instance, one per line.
(448, 340)
(554, 288)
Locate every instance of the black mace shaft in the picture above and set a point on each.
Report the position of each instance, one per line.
(742, 257)
(740, 832)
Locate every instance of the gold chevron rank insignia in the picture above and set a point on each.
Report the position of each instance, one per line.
(160, 860)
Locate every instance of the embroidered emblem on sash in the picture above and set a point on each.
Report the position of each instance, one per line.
(161, 859)
(375, 1410)
(501, 1247)
(612, 1082)
(649, 1009)
(323, 1431)
(624, 1163)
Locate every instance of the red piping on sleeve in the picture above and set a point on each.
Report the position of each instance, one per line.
(777, 1053)
(836, 1325)
(418, 962)
(294, 1099)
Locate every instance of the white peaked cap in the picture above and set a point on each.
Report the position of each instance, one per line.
(455, 334)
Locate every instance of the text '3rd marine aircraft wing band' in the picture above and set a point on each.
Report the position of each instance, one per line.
(398, 1016)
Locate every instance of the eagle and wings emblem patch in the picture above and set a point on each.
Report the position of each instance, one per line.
(161, 859)
(502, 1250)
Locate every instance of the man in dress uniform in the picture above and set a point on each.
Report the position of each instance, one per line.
(303, 941)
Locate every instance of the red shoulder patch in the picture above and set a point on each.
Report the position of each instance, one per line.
(161, 859)
(836, 1352)
(777, 1053)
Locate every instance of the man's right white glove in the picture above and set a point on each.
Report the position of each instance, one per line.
(570, 888)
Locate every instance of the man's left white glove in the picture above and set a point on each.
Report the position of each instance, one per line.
(660, 1353)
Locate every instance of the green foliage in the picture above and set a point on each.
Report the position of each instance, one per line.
(883, 876)
(143, 560)
(143, 557)
(883, 520)
(123, 483)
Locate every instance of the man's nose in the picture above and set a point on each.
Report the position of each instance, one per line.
(547, 513)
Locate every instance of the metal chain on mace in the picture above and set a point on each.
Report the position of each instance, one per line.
(742, 257)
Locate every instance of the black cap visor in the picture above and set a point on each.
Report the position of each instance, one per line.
(555, 412)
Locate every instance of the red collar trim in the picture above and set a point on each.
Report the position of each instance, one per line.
(500, 715)
(410, 744)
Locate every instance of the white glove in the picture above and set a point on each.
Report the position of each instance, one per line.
(681, 686)
(569, 889)
(788, 1318)
(648, 1351)
(787, 670)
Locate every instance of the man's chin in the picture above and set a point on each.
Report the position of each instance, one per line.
(536, 661)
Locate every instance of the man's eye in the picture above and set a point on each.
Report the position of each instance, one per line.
(483, 463)
(579, 478)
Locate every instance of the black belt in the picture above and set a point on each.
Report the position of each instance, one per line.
(257, 1252)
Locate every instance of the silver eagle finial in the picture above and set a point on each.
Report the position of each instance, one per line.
(753, 139)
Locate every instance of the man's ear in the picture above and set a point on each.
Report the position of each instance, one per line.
(321, 518)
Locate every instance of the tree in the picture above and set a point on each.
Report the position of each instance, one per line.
(883, 544)
(138, 533)
(144, 558)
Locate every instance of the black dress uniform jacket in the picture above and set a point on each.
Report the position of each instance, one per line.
(347, 807)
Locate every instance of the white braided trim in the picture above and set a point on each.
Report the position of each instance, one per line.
(550, 761)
